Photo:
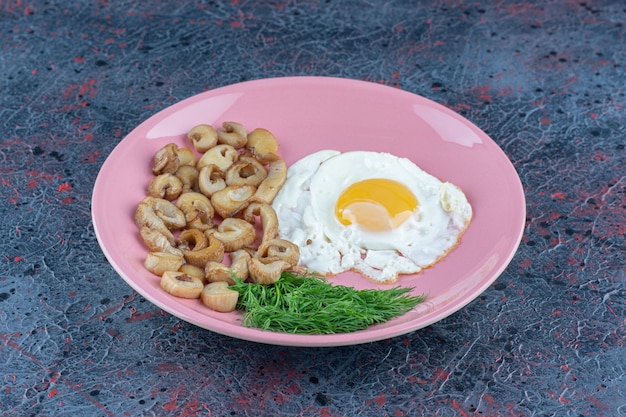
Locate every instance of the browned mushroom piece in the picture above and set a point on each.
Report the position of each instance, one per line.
(186, 157)
(213, 252)
(218, 272)
(233, 134)
(211, 180)
(280, 249)
(188, 176)
(193, 271)
(160, 262)
(181, 285)
(192, 239)
(232, 199)
(166, 160)
(156, 241)
(160, 215)
(167, 186)
(203, 137)
(198, 210)
(235, 233)
(218, 297)
(267, 215)
(263, 145)
(221, 156)
(266, 270)
(246, 170)
(239, 263)
(269, 187)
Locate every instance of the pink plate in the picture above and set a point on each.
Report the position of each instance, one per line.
(308, 114)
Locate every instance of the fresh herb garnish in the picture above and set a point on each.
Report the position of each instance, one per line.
(309, 304)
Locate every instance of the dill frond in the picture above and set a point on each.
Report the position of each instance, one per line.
(309, 304)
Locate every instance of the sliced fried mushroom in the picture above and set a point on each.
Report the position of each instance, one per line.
(211, 180)
(235, 233)
(203, 137)
(193, 271)
(232, 199)
(263, 145)
(239, 263)
(167, 186)
(269, 187)
(166, 160)
(246, 170)
(213, 252)
(218, 297)
(192, 239)
(222, 156)
(181, 285)
(156, 241)
(266, 270)
(188, 176)
(159, 214)
(160, 262)
(281, 249)
(218, 272)
(197, 209)
(233, 134)
(186, 157)
(269, 220)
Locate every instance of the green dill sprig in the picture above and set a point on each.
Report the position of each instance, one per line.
(309, 304)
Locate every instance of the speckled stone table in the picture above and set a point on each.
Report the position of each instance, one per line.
(546, 80)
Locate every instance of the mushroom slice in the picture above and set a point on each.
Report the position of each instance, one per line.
(193, 271)
(263, 145)
(233, 134)
(281, 249)
(192, 239)
(160, 262)
(186, 157)
(181, 285)
(203, 137)
(218, 272)
(218, 297)
(246, 170)
(232, 199)
(167, 186)
(239, 263)
(166, 160)
(156, 241)
(222, 156)
(269, 220)
(197, 209)
(266, 270)
(235, 233)
(188, 176)
(269, 187)
(213, 252)
(159, 214)
(211, 180)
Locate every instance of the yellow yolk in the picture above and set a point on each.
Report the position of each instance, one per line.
(375, 204)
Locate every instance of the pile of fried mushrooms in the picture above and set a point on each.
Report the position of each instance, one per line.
(206, 219)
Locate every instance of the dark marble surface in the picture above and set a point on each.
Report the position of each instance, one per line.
(546, 80)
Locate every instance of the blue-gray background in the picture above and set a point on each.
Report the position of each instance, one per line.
(544, 79)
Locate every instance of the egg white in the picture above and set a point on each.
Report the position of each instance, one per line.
(305, 207)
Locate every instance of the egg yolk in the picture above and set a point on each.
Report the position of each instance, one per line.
(375, 204)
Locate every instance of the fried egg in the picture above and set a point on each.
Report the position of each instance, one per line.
(371, 212)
